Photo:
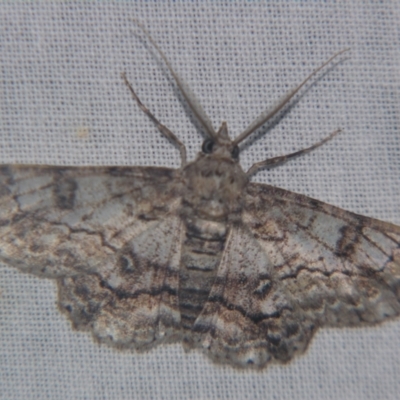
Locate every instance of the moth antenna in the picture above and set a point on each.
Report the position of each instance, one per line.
(271, 112)
(187, 93)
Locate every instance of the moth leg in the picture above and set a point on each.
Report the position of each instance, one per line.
(275, 161)
(162, 128)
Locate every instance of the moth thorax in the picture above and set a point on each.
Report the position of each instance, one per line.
(213, 188)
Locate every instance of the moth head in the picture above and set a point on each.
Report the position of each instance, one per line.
(221, 145)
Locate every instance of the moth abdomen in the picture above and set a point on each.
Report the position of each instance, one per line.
(201, 255)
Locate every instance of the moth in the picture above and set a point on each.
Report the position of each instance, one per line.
(245, 272)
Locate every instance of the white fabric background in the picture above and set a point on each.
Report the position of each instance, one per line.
(62, 102)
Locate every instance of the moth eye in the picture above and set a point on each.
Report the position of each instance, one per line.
(207, 146)
(235, 152)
